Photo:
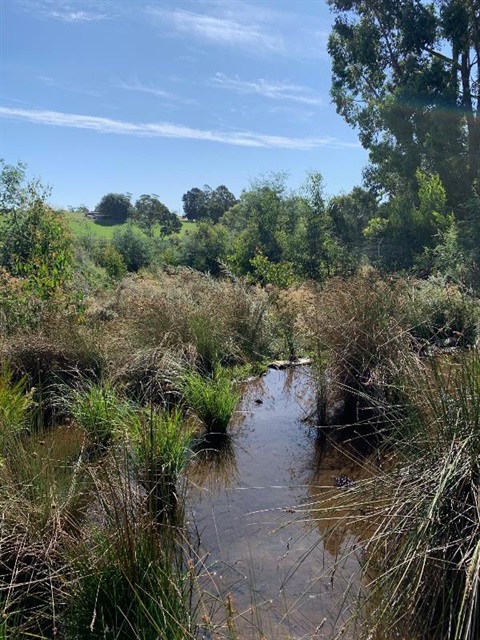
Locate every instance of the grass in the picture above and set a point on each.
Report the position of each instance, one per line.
(99, 410)
(211, 398)
(80, 225)
(131, 579)
(160, 443)
(420, 518)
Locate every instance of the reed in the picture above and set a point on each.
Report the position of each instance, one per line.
(211, 398)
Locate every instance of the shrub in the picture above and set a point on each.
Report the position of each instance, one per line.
(442, 314)
(38, 247)
(133, 247)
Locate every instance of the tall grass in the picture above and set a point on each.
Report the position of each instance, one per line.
(99, 410)
(160, 443)
(132, 580)
(15, 408)
(420, 518)
(211, 398)
(358, 332)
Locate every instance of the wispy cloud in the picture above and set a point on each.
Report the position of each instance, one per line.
(221, 31)
(269, 89)
(169, 130)
(77, 16)
(71, 11)
(136, 85)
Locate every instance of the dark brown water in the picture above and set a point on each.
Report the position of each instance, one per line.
(270, 569)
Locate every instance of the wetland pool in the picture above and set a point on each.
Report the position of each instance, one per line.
(269, 568)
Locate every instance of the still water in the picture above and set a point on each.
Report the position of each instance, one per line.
(269, 568)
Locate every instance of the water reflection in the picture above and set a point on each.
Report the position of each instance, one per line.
(287, 574)
(214, 464)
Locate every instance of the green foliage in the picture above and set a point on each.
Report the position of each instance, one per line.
(116, 207)
(111, 259)
(20, 308)
(211, 398)
(135, 249)
(205, 204)
(15, 193)
(160, 442)
(131, 585)
(442, 314)
(15, 409)
(150, 212)
(407, 231)
(280, 274)
(99, 410)
(400, 74)
(38, 248)
(205, 247)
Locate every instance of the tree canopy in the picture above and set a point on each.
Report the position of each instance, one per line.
(207, 204)
(149, 212)
(116, 206)
(405, 74)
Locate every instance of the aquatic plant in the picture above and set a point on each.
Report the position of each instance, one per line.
(131, 576)
(420, 517)
(160, 443)
(99, 409)
(358, 333)
(211, 398)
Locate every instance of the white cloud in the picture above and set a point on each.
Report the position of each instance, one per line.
(222, 31)
(71, 11)
(269, 89)
(169, 130)
(76, 16)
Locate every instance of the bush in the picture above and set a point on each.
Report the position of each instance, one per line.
(442, 314)
(134, 248)
(38, 248)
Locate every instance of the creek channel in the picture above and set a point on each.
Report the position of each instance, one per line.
(270, 569)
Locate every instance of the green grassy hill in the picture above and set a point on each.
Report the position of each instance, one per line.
(81, 225)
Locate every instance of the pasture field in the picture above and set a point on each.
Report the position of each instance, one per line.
(80, 225)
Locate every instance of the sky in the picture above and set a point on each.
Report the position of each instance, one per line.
(135, 96)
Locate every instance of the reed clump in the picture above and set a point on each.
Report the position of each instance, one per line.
(418, 517)
(358, 332)
(212, 398)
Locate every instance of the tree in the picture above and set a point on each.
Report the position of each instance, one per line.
(405, 74)
(117, 207)
(15, 193)
(207, 204)
(205, 247)
(149, 211)
(194, 204)
(134, 247)
(220, 201)
(406, 228)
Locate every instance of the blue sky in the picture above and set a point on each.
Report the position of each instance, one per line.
(159, 97)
